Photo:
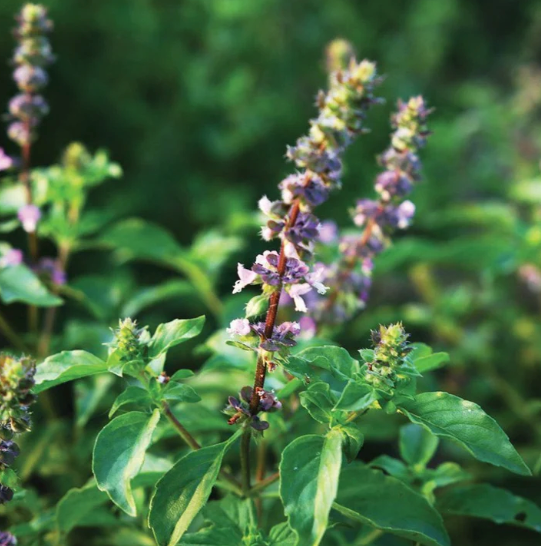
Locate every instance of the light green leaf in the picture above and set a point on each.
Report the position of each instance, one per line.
(132, 395)
(318, 401)
(417, 445)
(76, 504)
(309, 473)
(119, 453)
(19, 283)
(451, 417)
(183, 491)
(372, 498)
(493, 503)
(66, 366)
(172, 333)
(430, 362)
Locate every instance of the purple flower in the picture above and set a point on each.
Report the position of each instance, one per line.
(402, 215)
(304, 231)
(30, 78)
(21, 133)
(328, 232)
(6, 162)
(393, 183)
(52, 268)
(7, 539)
(367, 209)
(9, 451)
(240, 408)
(28, 107)
(239, 327)
(283, 335)
(296, 292)
(246, 277)
(308, 327)
(12, 257)
(310, 189)
(29, 216)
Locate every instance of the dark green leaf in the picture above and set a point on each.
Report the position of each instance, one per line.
(493, 503)
(372, 498)
(76, 504)
(356, 396)
(177, 392)
(119, 453)
(451, 417)
(318, 401)
(183, 491)
(417, 445)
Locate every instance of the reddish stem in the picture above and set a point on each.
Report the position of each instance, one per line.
(270, 321)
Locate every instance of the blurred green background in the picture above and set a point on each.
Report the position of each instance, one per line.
(197, 100)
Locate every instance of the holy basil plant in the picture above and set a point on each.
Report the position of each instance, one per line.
(272, 431)
(319, 482)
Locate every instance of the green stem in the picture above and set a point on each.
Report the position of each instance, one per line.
(194, 444)
(245, 461)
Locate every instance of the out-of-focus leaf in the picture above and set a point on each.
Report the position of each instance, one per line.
(18, 283)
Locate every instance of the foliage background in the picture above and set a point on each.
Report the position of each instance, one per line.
(197, 99)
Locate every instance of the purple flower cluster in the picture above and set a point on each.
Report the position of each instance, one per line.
(252, 335)
(342, 111)
(31, 56)
(350, 282)
(6, 539)
(239, 408)
(16, 383)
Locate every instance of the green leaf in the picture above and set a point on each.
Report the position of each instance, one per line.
(493, 503)
(451, 417)
(19, 283)
(76, 504)
(318, 401)
(417, 445)
(147, 297)
(353, 440)
(132, 395)
(119, 453)
(384, 502)
(282, 535)
(430, 362)
(173, 333)
(393, 467)
(330, 357)
(136, 238)
(66, 366)
(309, 473)
(183, 491)
(177, 392)
(356, 397)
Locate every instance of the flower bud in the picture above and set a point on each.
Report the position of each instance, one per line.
(128, 340)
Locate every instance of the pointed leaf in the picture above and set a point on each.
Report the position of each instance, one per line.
(308, 483)
(119, 453)
(493, 503)
(172, 333)
(386, 503)
(76, 504)
(451, 417)
(132, 395)
(19, 283)
(183, 491)
(67, 366)
(417, 445)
